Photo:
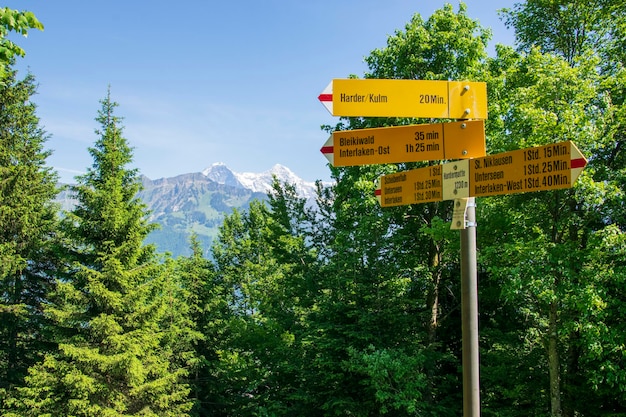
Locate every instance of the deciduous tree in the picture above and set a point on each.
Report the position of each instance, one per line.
(14, 21)
(390, 281)
(550, 93)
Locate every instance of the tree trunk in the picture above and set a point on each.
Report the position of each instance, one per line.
(433, 296)
(554, 366)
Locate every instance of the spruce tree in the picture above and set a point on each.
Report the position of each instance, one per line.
(203, 301)
(115, 353)
(27, 224)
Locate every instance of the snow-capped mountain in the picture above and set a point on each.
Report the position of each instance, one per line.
(221, 174)
(198, 202)
(259, 182)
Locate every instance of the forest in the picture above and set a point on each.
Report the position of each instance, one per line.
(344, 308)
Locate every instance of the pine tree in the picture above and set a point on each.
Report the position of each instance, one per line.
(27, 221)
(204, 303)
(115, 353)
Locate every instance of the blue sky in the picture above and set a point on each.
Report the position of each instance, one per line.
(200, 82)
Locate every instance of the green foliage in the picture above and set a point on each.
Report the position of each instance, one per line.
(448, 46)
(14, 21)
(395, 378)
(27, 225)
(348, 309)
(119, 342)
(566, 28)
(390, 276)
(203, 299)
(542, 264)
(263, 260)
(601, 331)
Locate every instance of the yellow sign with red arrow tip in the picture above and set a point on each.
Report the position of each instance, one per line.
(413, 143)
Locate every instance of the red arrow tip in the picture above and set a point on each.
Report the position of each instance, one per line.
(325, 97)
(578, 163)
(377, 192)
(326, 149)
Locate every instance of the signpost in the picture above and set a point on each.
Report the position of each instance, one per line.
(541, 168)
(405, 98)
(548, 167)
(413, 143)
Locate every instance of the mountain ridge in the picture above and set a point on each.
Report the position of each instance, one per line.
(198, 202)
(259, 182)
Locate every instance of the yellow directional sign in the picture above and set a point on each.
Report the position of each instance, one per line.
(422, 185)
(542, 168)
(549, 167)
(388, 145)
(406, 98)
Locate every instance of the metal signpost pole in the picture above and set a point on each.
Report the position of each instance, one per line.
(469, 314)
